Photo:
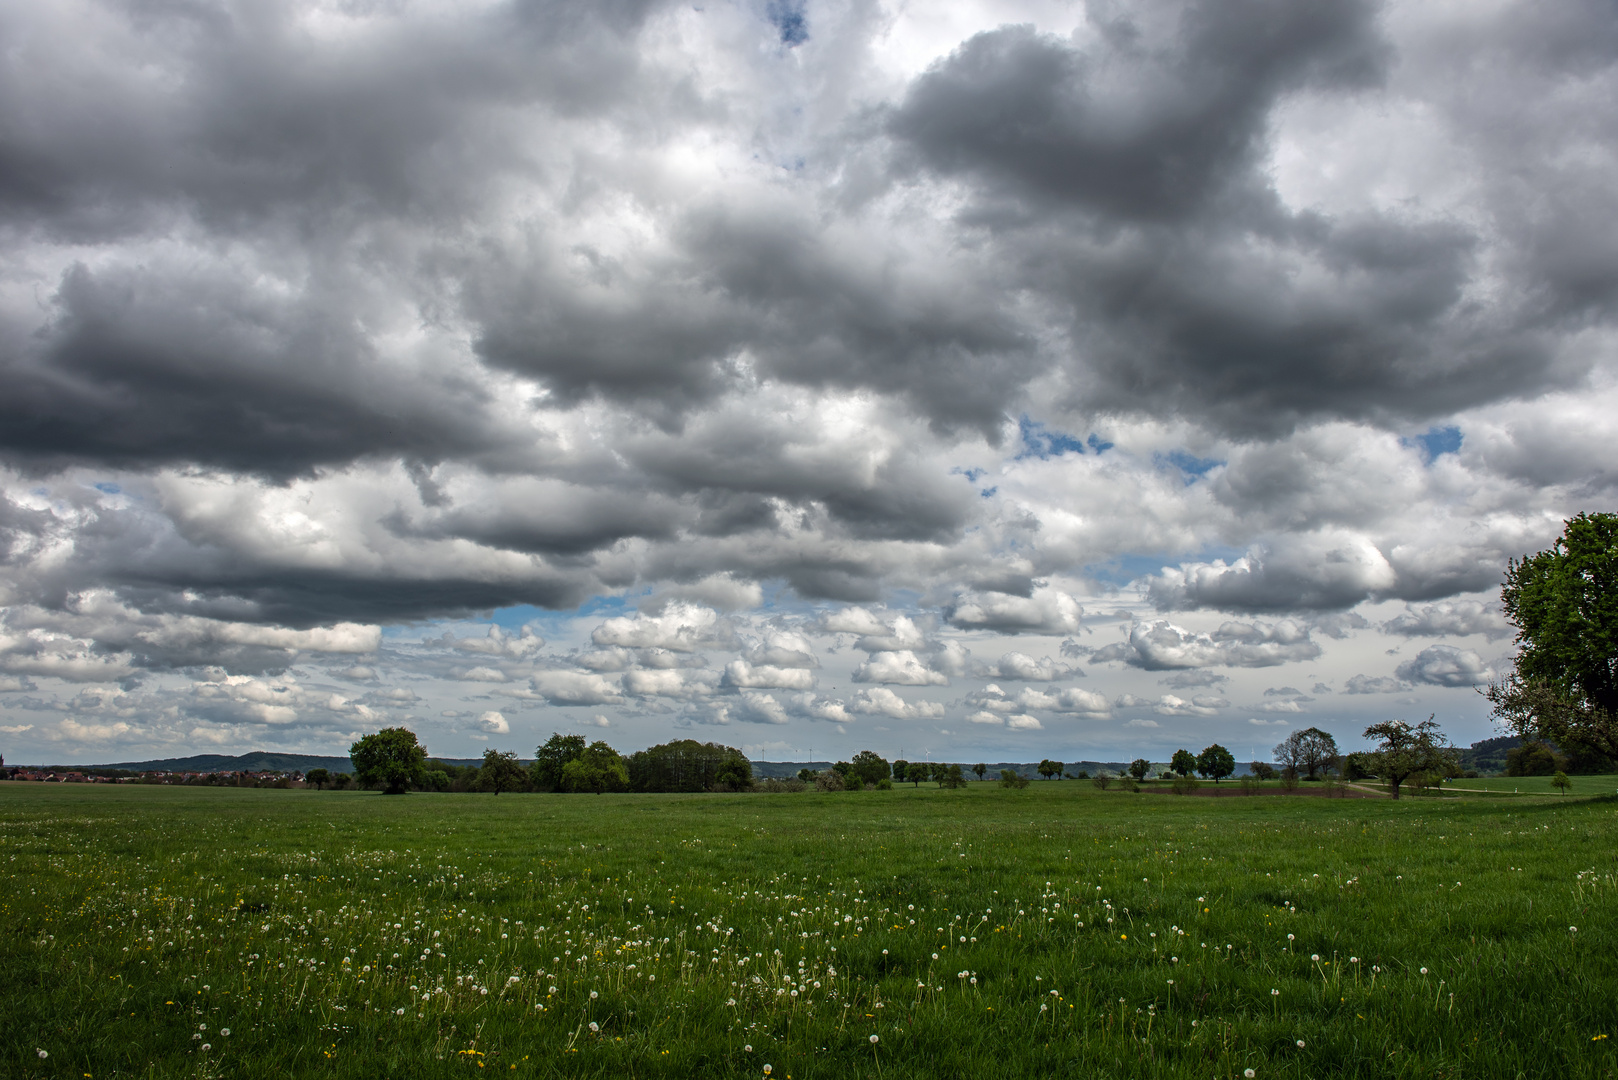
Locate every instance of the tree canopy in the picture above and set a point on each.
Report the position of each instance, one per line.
(500, 771)
(552, 757)
(1404, 751)
(1184, 762)
(1308, 751)
(390, 759)
(1216, 762)
(1564, 603)
(600, 768)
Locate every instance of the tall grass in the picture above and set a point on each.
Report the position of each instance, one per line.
(987, 932)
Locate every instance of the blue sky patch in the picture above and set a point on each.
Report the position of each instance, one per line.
(790, 19)
(1194, 468)
(1039, 441)
(1436, 442)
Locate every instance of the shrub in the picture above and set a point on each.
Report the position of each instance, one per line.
(1289, 780)
(884, 784)
(830, 780)
(1011, 778)
(1102, 779)
(775, 785)
(1184, 785)
(1249, 785)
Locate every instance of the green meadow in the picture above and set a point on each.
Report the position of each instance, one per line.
(1057, 930)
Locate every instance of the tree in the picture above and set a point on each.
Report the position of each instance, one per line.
(500, 771)
(1564, 603)
(1011, 778)
(980, 769)
(1049, 768)
(1102, 779)
(1532, 759)
(870, 767)
(318, 777)
(1406, 751)
(1358, 766)
(552, 757)
(1216, 762)
(1139, 768)
(1262, 770)
(688, 765)
(1561, 783)
(1184, 762)
(899, 767)
(391, 759)
(598, 769)
(807, 775)
(952, 778)
(916, 772)
(1308, 751)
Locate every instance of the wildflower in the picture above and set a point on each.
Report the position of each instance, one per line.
(1424, 971)
(594, 1027)
(1573, 929)
(1289, 937)
(768, 1070)
(594, 995)
(225, 1032)
(1316, 958)
(41, 1053)
(1275, 993)
(398, 1012)
(1249, 1073)
(206, 1047)
(1300, 1044)
(874, 1040)
(747, 1048)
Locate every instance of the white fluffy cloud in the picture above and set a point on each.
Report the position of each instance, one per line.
(880, 701)
(1445, 665)
(899, 669)
(1161, 645)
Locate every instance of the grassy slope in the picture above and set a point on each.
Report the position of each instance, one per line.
(131, 916)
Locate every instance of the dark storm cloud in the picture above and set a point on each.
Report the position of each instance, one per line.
(1140, 129)
(1126, 179)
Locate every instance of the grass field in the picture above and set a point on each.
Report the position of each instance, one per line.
(981, 933)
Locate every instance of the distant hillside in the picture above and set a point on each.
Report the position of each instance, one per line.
(257, 761)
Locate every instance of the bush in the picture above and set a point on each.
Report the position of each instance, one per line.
(830, 780)
(884, 784)
(1102, 779)
(1263, 770)
(1184, 785)
(1011, 778)
(775, 785)
(1289, 780)
(1082, 774)
(1249, 785)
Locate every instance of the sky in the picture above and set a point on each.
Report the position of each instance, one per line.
(974, 381)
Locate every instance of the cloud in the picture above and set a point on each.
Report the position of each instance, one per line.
(1307, 573)
(1445, 665)
(575, 688)
(1047, 611)
(679, 627)
(1451, 618)
(740, 673)
(1016, 665)
(898, 669)
(1024, 722)
(492, 723)
(880, 701)
(1372, 684)
(1159, 645)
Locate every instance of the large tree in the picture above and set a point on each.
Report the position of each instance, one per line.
(1049, 768)
(1216, 763)
(500, 771)
(552, 757)
(1308, 751)
(1184, 762)
(390, 759)
(870, 767)
(600, 768)
(1404, 751)
(1564, 602)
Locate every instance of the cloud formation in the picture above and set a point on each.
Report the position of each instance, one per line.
(695, 365)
